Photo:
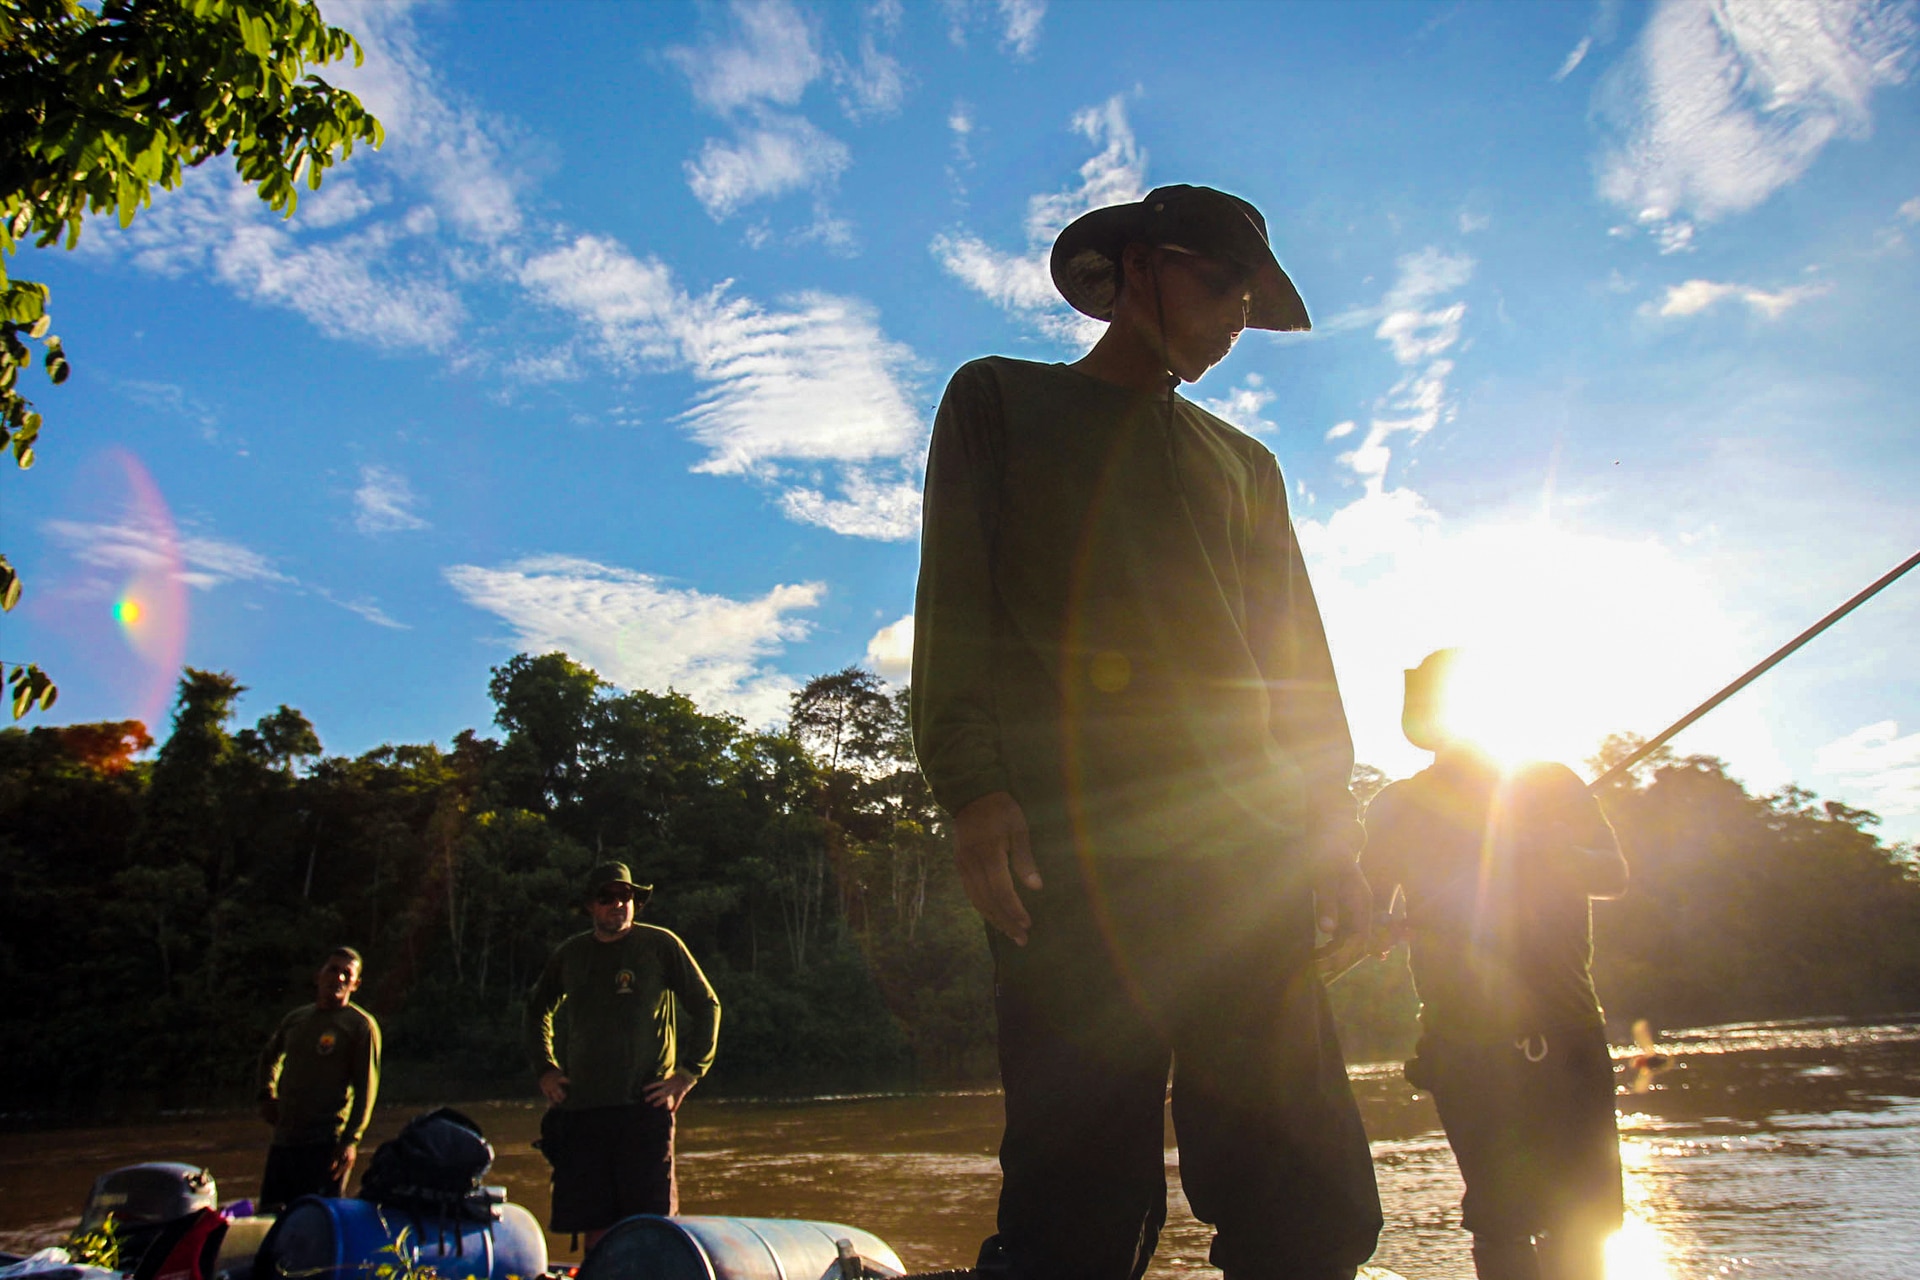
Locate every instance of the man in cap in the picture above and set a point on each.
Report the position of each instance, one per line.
(641, 1023)
(318, 1077)
(1122, 695)
(1499, 868)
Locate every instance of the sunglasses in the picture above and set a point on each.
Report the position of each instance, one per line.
(614, 897)
(1218, 277)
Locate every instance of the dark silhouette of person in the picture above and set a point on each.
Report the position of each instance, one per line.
(318, 1077)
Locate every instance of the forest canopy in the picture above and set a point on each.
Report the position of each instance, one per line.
(160, 910)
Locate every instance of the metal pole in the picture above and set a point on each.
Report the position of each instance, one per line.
(1766, 664)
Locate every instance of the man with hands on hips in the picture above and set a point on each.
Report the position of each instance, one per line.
(641, 1024)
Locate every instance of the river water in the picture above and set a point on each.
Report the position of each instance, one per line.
(1768, 1149)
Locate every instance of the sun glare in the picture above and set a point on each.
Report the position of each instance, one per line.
(1634, 1252)
(127, 611)
(1510, 702)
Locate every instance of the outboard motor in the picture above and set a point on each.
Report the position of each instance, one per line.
(145, 1198)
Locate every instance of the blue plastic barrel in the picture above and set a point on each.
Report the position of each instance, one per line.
(323, 1239)
(695, 1248)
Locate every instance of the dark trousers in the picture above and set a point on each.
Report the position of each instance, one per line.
(1532, 1128)
(609, 1163)
(1203, 966)
(296, 1169)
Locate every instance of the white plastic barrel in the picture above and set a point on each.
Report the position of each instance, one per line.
(646, 1247)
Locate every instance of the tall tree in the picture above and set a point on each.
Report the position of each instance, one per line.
(101, 102)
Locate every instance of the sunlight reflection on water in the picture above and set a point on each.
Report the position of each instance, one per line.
(1769, 1150)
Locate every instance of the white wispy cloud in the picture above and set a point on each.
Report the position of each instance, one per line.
(884, 509)
(1243, 405)
(1015, 22)
(890, 652)
(765, 62)
(133, 546)
(812, 380)
(1020, 32)
(770, 55)
(1695, 296)
(141, 546)
(1877, 761)
(401, 236)
(1419, 334)
(347, 287)
(640, 633)
(1573, 59)
(778, 154)
(450, 149)
(1018, 280)
(1722, 104)
(874, 83)
(384, 502)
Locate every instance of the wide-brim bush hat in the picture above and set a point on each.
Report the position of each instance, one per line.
(1086, 257)
(616, 873)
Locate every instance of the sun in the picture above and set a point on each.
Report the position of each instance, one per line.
(1512, 701)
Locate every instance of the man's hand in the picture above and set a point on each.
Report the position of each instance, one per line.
(343, 1160)
(270, 1110)
(668, 1093)
(990, 848)
(553, 1083)
(1342, 901)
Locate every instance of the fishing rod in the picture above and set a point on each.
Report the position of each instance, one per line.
(1759, 669)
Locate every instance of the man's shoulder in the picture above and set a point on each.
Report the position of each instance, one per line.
(1234, 436)
(1390, 802)
(360, 1018)
(656, 938)
(1000, 377)
(1547, 786)
(1545, 780)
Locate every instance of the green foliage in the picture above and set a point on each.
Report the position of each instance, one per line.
(188, 908)
(182, 902)
(101, 103)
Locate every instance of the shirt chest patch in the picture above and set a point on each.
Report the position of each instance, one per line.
(327, 1043)
(623, 982)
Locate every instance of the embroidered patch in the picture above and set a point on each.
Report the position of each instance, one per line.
(623, 982)
(325, 1044)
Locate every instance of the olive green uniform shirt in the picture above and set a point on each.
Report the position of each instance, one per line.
(1114, 624)
(1501, 935)
(323, 1067)
(636, 1009)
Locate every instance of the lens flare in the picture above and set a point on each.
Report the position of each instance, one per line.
(1506, 701)
(151, 606)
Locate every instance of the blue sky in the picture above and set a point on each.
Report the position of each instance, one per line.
(628, 343)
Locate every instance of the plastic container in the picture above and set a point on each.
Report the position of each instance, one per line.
(696, 1248)
(324, 1239)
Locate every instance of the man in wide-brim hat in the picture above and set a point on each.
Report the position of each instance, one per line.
(642, 1024)
(1122, 695)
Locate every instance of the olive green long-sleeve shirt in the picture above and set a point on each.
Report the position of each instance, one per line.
(1500, 928)
(322, 1066)
(637, 1009)
(1114, 624)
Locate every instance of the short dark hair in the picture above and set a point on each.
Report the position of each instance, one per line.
(350, 954)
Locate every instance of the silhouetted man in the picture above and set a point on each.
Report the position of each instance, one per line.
(1122, 694)
(1498, 869)
(318, 1077)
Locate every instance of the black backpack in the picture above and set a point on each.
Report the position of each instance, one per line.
(434, 1167)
